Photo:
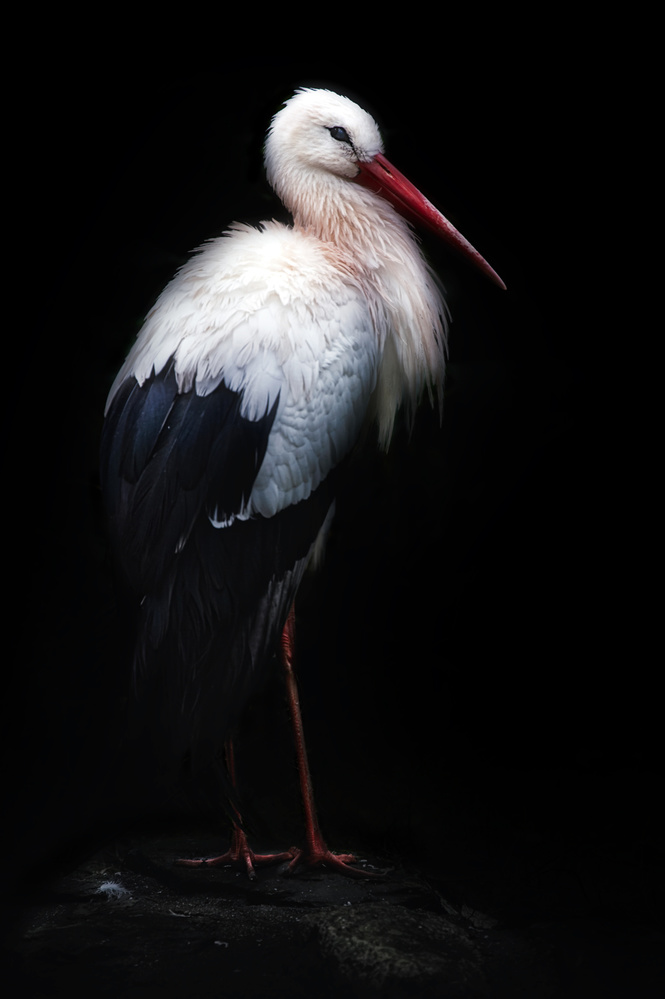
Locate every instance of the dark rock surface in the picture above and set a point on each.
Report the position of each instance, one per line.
(127, 922)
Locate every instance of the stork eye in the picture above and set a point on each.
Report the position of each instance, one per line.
(340, 134)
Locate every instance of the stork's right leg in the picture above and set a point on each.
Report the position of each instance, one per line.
(239, 854)
(315, 853)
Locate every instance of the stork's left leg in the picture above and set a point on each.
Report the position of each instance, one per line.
(239, 854)
(315, 852)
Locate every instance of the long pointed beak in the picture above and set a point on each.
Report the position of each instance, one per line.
(382, 177)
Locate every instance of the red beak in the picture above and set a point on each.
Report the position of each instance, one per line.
(382, 177)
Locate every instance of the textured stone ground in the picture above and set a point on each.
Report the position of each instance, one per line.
(127, 922)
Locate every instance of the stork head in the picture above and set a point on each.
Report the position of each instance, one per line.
(320, 136)
(319, 131)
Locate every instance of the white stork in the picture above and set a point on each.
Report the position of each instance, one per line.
(233, 417)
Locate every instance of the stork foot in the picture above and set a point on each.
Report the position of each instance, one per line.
(240, 855)
(319, 855)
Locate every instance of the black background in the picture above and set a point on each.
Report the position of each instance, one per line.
(470, 654)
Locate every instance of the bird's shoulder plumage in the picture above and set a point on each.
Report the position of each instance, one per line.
(277, 317)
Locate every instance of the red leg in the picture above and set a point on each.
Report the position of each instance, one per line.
(315, 852)
(239, 854)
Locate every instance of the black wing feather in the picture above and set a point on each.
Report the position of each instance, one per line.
(168, 456)
(211, 602)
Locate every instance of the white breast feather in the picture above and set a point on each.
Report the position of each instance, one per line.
(268, 314)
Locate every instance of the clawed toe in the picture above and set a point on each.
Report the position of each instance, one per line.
(240, 855)
(321, 856)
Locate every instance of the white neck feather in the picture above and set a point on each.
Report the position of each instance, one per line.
(406, 299)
